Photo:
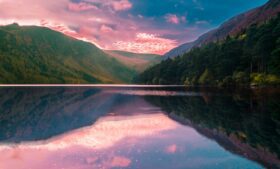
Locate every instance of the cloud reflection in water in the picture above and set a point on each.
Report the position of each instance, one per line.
(132, 134)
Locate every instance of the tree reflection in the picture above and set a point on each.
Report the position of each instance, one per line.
(247, 122)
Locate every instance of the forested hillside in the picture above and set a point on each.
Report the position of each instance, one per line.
(249, 58)
(232, 27)
(30, 54)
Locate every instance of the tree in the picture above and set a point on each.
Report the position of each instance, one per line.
(206, 78)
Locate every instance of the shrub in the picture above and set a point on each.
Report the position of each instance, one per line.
(241, 78)
(263, 79)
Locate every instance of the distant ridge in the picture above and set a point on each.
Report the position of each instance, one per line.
(136, 61)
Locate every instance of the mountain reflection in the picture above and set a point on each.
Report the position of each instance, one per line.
(137, 128)
(105, 132)
(246, 123)
(40, 113)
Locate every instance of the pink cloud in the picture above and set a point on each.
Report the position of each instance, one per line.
(101, 26)
(96, 145)
(171, 149)
(172, 18)
(57, 26)
(82, 34)
(147, 43)
(116, 5)
(106, 29)
(121, 5)
(119, 161)
(77, 7)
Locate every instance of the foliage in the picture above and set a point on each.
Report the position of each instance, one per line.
(234, 61)
(264, 79)
(206, 78)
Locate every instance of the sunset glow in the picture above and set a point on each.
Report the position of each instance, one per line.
(105, 133)
(139, 84)
(129, 25)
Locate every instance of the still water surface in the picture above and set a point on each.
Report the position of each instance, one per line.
(138, 128)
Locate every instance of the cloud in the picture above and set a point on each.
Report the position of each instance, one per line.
(140, 16)
(119, 161)
(105, 133)
(172, 18)
(171, 149)
(121, 5)
(116, 5)
(109, 160)
(82, 6)
(83, 33)
(106, 29)
(116, 24)
(94, 146)
(147, 43)
(88, 20)
(95, 21)
(105, 23)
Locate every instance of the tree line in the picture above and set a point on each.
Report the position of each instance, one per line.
(250, 58)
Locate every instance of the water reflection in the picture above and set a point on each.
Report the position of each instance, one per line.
(245, 123)
(89, 128)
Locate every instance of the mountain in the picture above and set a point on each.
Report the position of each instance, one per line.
(231, 27)
(179, 50)
(236, 24)
(136, 61)
(31, 54)
(249, 58)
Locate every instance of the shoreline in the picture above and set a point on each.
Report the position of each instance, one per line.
(141, 85)
(88, 85)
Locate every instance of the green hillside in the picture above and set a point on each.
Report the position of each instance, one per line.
(30, 54)
(136, 61)
(249, 58)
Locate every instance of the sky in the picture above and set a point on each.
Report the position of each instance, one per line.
(140, 26)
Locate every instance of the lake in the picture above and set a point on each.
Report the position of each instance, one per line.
(138, 127)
